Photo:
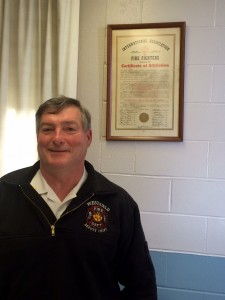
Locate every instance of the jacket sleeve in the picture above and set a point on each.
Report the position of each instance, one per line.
(135, 268)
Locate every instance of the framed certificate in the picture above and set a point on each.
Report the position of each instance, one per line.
(145, 81)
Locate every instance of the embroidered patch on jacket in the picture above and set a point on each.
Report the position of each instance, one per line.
(96, 217)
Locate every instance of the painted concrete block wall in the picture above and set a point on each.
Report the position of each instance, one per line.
(180, 187)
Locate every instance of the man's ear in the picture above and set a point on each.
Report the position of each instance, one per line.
(89, 136)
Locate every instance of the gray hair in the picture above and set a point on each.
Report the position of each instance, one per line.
(55, 105)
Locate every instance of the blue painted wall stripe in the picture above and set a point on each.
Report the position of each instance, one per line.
(187, 276)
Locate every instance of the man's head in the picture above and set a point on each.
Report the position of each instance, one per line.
(55, 105)
(63, 134)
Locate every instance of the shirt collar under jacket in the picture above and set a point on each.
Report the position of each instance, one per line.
(41, 186)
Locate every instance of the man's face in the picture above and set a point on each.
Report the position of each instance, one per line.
(61, 140)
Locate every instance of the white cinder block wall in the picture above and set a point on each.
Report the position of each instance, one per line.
(180, 187)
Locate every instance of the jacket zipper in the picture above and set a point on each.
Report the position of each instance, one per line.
(52, 226)
(53, 230)
(70, 211)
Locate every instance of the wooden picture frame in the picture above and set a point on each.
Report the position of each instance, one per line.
(145, 81)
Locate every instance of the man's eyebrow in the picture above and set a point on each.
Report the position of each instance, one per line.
(46, 124)
(63, 123)
(69, 122)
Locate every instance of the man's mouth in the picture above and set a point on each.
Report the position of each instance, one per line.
(58, 151)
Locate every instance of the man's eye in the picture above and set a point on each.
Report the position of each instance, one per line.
(46, 129)
(71, 129)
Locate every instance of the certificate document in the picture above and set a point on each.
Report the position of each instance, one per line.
(145, 83)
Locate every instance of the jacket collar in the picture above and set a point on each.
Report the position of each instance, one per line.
(22, 176)
(95, 181)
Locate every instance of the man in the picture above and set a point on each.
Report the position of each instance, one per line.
(66, 232)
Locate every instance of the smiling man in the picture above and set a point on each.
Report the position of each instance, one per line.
(66, 232)
(63, 137)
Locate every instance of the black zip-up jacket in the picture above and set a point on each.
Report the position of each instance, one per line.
(96, 243)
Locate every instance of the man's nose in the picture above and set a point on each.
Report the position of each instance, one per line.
(58, 138)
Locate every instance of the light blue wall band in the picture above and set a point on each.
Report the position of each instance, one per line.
(189, 277)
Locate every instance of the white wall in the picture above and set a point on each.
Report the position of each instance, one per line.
(180, 187)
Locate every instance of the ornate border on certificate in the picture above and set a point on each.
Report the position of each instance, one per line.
(145, 81)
